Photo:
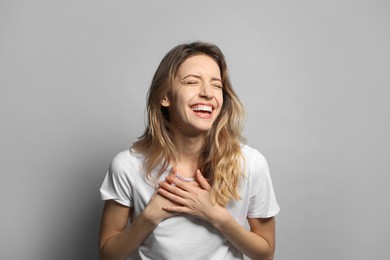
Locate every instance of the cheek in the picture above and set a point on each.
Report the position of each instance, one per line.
(219, 98)
(183, 94)
(181, 101)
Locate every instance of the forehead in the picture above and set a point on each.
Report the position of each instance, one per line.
(199, 64)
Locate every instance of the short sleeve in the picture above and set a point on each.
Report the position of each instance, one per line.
(262, 200)
(116, 185)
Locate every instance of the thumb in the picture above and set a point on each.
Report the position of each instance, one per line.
(204, 184)
(173, 172)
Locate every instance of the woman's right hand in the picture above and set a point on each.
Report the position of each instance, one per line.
(117, 238)
(154, 212)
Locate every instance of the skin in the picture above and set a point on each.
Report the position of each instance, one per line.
(258, 243)
(198, 81)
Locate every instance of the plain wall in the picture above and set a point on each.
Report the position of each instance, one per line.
(313, 75)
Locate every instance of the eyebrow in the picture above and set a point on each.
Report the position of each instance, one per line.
(199, 77)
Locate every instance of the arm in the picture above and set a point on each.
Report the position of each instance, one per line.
(258, 243)
(117, 239)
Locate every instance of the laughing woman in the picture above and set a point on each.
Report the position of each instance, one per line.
(187, 187)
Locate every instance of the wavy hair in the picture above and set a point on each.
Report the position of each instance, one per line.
(221, 156)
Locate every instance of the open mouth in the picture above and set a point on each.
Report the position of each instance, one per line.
(202, 109)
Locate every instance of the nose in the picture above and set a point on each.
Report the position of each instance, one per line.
(206, 91)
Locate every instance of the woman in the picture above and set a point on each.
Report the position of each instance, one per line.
(189, 184)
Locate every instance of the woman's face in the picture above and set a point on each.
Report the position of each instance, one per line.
(196, 96)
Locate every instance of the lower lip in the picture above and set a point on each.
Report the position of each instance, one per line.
(203, 115)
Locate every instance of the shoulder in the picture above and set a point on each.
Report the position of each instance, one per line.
(255, 164)
(124, 161)
(253, 157)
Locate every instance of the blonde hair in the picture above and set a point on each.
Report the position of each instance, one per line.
(221, 156)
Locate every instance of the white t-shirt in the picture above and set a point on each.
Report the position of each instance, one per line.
(184, 236)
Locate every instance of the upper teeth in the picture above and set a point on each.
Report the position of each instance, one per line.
(202, 108)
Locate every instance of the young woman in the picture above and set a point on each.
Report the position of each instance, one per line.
(189, 184)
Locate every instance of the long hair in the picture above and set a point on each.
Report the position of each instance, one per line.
(221, 156)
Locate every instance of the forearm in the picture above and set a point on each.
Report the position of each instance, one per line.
(125, 242)
(249, 243)
(257, 243)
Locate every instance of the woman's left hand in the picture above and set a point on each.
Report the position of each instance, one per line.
(257, 243)
(192, 200)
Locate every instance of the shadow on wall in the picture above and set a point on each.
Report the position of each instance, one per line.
(74, 231)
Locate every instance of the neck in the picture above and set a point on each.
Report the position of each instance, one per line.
(189, 149)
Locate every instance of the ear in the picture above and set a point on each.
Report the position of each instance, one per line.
(165, 102)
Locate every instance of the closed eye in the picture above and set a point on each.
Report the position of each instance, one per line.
(217, 82)
(191, 82)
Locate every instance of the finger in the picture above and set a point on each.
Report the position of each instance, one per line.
(204, 184)
(171, 197)
(176, 209)
(176, 199)
(173, 172)
(181, 184)
(173, 189)
(194, 183)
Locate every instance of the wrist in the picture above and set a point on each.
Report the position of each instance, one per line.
(149, 218)
(220, 218)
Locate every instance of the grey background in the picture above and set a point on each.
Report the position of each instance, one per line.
(313, 75)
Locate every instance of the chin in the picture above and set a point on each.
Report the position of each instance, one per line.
(204, 128)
